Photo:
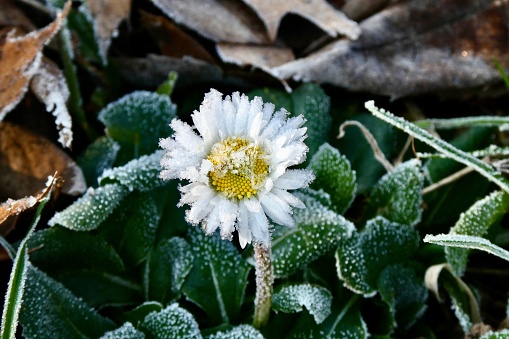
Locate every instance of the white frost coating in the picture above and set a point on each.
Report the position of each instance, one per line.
(502, 334)
(238, 332)
(172, 322)
(50, 87)
(317, 300)
(258, 136)
(126, 331)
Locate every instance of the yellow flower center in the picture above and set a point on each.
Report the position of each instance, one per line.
(240, 167)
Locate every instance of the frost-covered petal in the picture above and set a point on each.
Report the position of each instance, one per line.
(277, 209)
(243, 225)
(294, 179)
(242, 114)
(259, 227)
(185, 135)
(289, 198)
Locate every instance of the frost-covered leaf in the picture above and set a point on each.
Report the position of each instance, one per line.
(138, 314)
(345, 322)
(98, 156)
(218, 279)
(317, 230)
(51, 311)
(91, 209)
(405, 294)
(467, 241)
(464, 303)
(50, 87)
(361, 258)
(172, 322)
(141, 174)
(238, 332)
(475, 222)
(85, 264)
(316, 299)
(126, 331)
(137, 121)
(167, 268)
(311, 101)
(397, 195)
(20, 58)
(27, 161)
(334, 175)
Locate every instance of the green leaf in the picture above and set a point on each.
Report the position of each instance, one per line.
(280, 98)
(126, 331)
(397, 195)
(51, 311)
(316, 299)
(138, 314)
(361, 258)
(100, 155)
(141, 174)
(81, 24)
(89, 211)
(137, 121)
(463, 122)
(218, 279)
(405, 294)
(167, 268)
(241, 331)
(311, 101)
(17, 279)
(171, 322)
(345, 322)
(467, 241)
(334, 175)
(317, 230)
(440, 145)
(476, 222)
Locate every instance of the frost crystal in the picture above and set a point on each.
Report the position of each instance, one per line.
(237, 165)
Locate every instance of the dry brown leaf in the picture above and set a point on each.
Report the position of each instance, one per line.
(263, 57)
(27, 160)
(19, 60)
(107, 14)
(153, 70)
(12, 207)
(318, 12)
(414, 47)
(173, 41)
(360, 9)
(218, 20)
(50, 87)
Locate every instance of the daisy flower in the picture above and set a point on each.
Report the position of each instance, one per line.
(236, 162)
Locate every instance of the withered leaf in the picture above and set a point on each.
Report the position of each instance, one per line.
(360, 9)
(263, 57)
(50, 87)
(27, 160)
(107, 14)
(173, 41)
(318, 12)
(19, 60)
(218, 20)
(414, 47)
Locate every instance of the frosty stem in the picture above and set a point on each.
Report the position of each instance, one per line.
(264, 280)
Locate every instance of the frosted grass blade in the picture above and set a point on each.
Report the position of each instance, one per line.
(467, 241)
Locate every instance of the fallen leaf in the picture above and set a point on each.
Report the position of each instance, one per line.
(360, 9)
(19, 60)
(12, 207)
(415, 47)
(153, 70)
(50, 87)
(217, 20)
(263, 57)
(173, 41)
(107, 15)
(319, 12)
(27, 160)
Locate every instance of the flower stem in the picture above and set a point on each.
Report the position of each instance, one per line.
(264, 280)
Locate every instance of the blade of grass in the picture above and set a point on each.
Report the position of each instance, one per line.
(467, 241)
(15, 288)
(440, 145)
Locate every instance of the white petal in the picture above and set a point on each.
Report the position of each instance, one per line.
(200, 209)
(193, 192)
(259, 227)
(256, 125)
(242, 116)
(294, 179)
(207, 119)
(277, 209)
(213, 220)
(243, 225)
(271, 129)
(289, 198)
(229, 116)
(255, 107)
(185, 135)
(229, 213)
(252, 204)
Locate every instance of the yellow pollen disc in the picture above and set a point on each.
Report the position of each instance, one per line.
(240, 167)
